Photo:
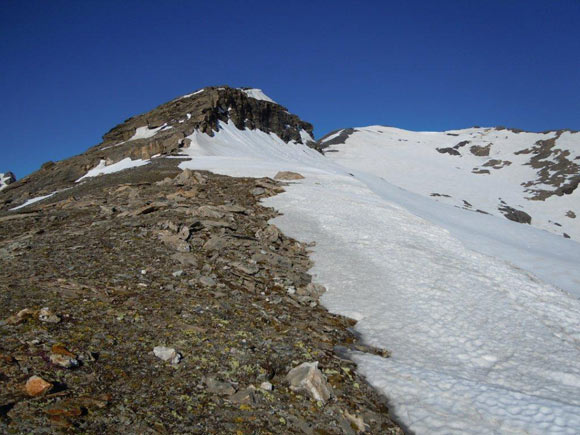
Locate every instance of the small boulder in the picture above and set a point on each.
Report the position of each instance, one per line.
(308, 378)
(64, 361)
(257, 191)
(167, 354)
(217, 387)
(62, 357)
(245, 396)
(47, 316)
(288, 175)
(36, 386)
(189, 178)
(266, 386)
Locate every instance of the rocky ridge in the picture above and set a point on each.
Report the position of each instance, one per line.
(162, 301)
(163, 131)
(155, 300)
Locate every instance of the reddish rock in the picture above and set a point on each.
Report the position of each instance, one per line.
(36, 386)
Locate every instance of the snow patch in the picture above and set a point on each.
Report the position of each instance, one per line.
(146, 132)
(257, 94)
(102, 168)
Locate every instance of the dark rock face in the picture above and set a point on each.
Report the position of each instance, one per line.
(321, 145)
(515, 215)
(554, 169)
(449, 150)
(172, 122)
(480, 151)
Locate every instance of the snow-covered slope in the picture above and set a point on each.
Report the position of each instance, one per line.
(6, 179)
(480, 169)
(478, 344)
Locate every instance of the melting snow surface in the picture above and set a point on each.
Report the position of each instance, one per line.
(478, 344)
(102, 167)
(257, 94)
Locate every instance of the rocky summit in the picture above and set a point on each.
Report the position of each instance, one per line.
(156, 300)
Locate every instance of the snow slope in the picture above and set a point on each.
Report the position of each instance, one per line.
(478, 344)
(410, 160)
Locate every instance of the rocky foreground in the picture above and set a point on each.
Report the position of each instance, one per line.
(161, 301)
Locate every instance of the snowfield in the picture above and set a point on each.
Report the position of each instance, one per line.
(410, 160)
(481, 314)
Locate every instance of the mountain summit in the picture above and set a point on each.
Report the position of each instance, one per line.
(163, 132)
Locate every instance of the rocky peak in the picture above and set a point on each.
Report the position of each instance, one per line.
(202, 110)
(164, 130)
(6, 179)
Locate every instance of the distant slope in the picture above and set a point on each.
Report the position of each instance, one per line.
(526, 177)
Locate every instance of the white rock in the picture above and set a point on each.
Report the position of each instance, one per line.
(167, 354)
(267, 386)
(47, 316)
(308, 378)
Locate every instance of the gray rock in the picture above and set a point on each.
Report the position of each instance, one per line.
(217, 387)
(245, 396)
(174, 241)
(185, 258)
(207, 281)
(250, 269)
(47, 316)
(256, 191)
(288, 175)
(268, 234)
(211, 212)
(64, 361)
(167, 354)
(308, 378)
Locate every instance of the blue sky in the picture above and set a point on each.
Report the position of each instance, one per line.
(71, 70)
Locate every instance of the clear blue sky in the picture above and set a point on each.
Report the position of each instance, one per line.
(71, 70)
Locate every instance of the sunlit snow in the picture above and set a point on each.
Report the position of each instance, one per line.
(479, 345)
